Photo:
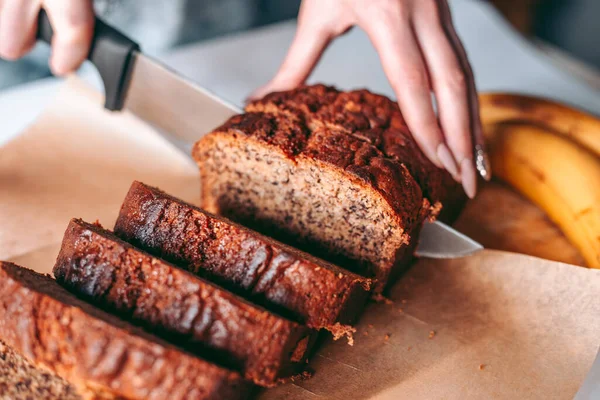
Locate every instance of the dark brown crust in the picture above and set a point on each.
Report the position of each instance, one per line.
(97, 351)
(273, 274)
(335, 147)
(198, 315)
(374, 119)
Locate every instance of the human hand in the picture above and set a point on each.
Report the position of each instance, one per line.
(420, 53)
(72, 22)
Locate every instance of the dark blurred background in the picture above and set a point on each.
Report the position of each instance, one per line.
(569, 26)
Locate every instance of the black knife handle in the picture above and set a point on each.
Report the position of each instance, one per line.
(112, 54)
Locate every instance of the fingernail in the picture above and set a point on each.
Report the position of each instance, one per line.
(482, 163)
(469, 177)
(445, 157)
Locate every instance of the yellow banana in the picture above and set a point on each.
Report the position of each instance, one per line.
(579, 126)
(558, 175)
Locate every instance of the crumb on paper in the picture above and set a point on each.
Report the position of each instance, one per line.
(338, 331)
(379, 298)
(431, 334)
(387, 337)
(481, 367)
(300, 377)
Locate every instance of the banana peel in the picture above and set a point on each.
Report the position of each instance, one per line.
(576, 125)
(554, 172)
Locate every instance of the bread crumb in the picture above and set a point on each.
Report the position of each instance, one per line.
(386, 337)
(431, 334)
(300, 377)
(379, 298)
(340, 275)
(318, 269)
(481, 367)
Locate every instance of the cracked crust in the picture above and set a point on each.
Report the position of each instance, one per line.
(98, 352)
(281, 278)
(335, 174)
(376, 120)
(200, 316)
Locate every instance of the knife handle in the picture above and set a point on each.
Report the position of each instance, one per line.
(112, 54)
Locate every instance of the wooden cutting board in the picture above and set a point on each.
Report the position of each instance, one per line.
(499, 218)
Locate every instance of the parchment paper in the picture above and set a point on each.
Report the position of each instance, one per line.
(492, 326)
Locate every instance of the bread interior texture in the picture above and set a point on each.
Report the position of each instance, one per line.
(324, 211)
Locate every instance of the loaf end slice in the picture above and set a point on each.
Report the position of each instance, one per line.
(321, 189)
(275, 275)
(179, 306)
(97, 352)
(21, 380)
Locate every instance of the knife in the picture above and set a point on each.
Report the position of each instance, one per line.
(183, 111)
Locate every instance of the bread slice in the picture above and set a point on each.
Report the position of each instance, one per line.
(282, 278)
(327, 172)
(21, 380)
(98, 352)
(175, 304)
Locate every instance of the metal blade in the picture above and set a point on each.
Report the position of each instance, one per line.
(438, 240)
(180, 109)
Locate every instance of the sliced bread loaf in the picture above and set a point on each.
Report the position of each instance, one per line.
(271, 273)
(331, 173)
(21, 380)
(97, 352)
(177, 305)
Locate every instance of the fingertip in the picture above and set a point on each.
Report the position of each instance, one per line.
(448, 161)
(67, 57)
(469, 177)
(257, 93)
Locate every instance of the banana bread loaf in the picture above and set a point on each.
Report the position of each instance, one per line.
(170, 302)
(21, 380)
(335, 174)
(98, 352)
(270, 273)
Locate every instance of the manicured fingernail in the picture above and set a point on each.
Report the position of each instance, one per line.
(482, 163)
(469, 177)
(445, 157)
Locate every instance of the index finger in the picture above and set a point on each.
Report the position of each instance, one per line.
(404, 66)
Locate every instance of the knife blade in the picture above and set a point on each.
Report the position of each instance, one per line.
(183, 111)
(438, 240)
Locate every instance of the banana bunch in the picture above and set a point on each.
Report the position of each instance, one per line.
(551, 154)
